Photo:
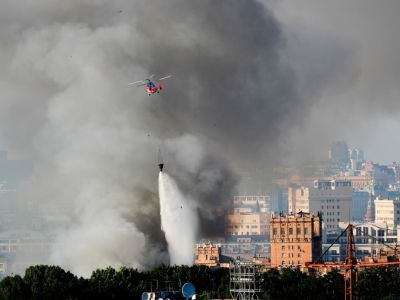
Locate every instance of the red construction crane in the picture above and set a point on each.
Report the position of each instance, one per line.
(351, 265)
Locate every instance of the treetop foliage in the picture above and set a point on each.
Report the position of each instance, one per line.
(52, 282)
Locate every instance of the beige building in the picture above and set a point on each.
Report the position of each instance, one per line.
(333, 198)
(387, 212)
(249, 216)
(207, 254)
(246, 224)
(295, 239)
(248, 204)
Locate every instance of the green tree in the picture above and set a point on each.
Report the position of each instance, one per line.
(333, 285)
(13, 287)
(379, 283)
(51, 282)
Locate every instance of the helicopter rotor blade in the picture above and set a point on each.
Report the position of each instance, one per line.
(165, 77)
(136, 82)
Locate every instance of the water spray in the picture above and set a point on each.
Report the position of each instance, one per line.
(179, 221)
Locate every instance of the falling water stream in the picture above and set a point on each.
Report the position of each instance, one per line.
(178, 220)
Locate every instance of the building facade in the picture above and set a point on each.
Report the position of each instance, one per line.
(295, 239)
(370, 240)
(248, 204)
(333, 198)
(387, 212)
(249, 217)
(244, 224)
(339, 152)
(207, 254)
(360, 200)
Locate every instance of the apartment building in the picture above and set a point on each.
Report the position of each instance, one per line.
(295, 239)
(333, 198)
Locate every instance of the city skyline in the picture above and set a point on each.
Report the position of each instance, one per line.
(259, 92)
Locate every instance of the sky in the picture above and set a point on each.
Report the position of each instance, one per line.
(359, 41)
(254, 84)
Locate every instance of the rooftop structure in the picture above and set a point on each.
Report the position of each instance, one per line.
(295, 239)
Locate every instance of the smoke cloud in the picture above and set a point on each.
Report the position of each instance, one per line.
(345, 58)
(94, 139)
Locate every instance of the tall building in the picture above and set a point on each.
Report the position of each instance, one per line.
(387, 212)
(360, 205)
(395, 166)
(356, 154)
(295, 239)
(333, 198)
(370, 213)
(339, 153)
(356, 159)
(279, 199)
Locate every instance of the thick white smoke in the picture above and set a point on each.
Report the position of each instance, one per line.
(67, 106)
(90, 146)
(179, 221)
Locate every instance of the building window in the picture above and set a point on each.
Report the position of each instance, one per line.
(305, 230)
(283, 248)
(290, 231)
(298, 230)
(365, 231)
(274, 231)
(282, 231)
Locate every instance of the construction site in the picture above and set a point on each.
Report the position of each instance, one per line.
(296, 243)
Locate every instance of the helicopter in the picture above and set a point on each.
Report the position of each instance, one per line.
(151, 86)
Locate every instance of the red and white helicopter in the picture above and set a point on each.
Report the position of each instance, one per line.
(152, 87)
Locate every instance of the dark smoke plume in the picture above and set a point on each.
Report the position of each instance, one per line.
(94, 139)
